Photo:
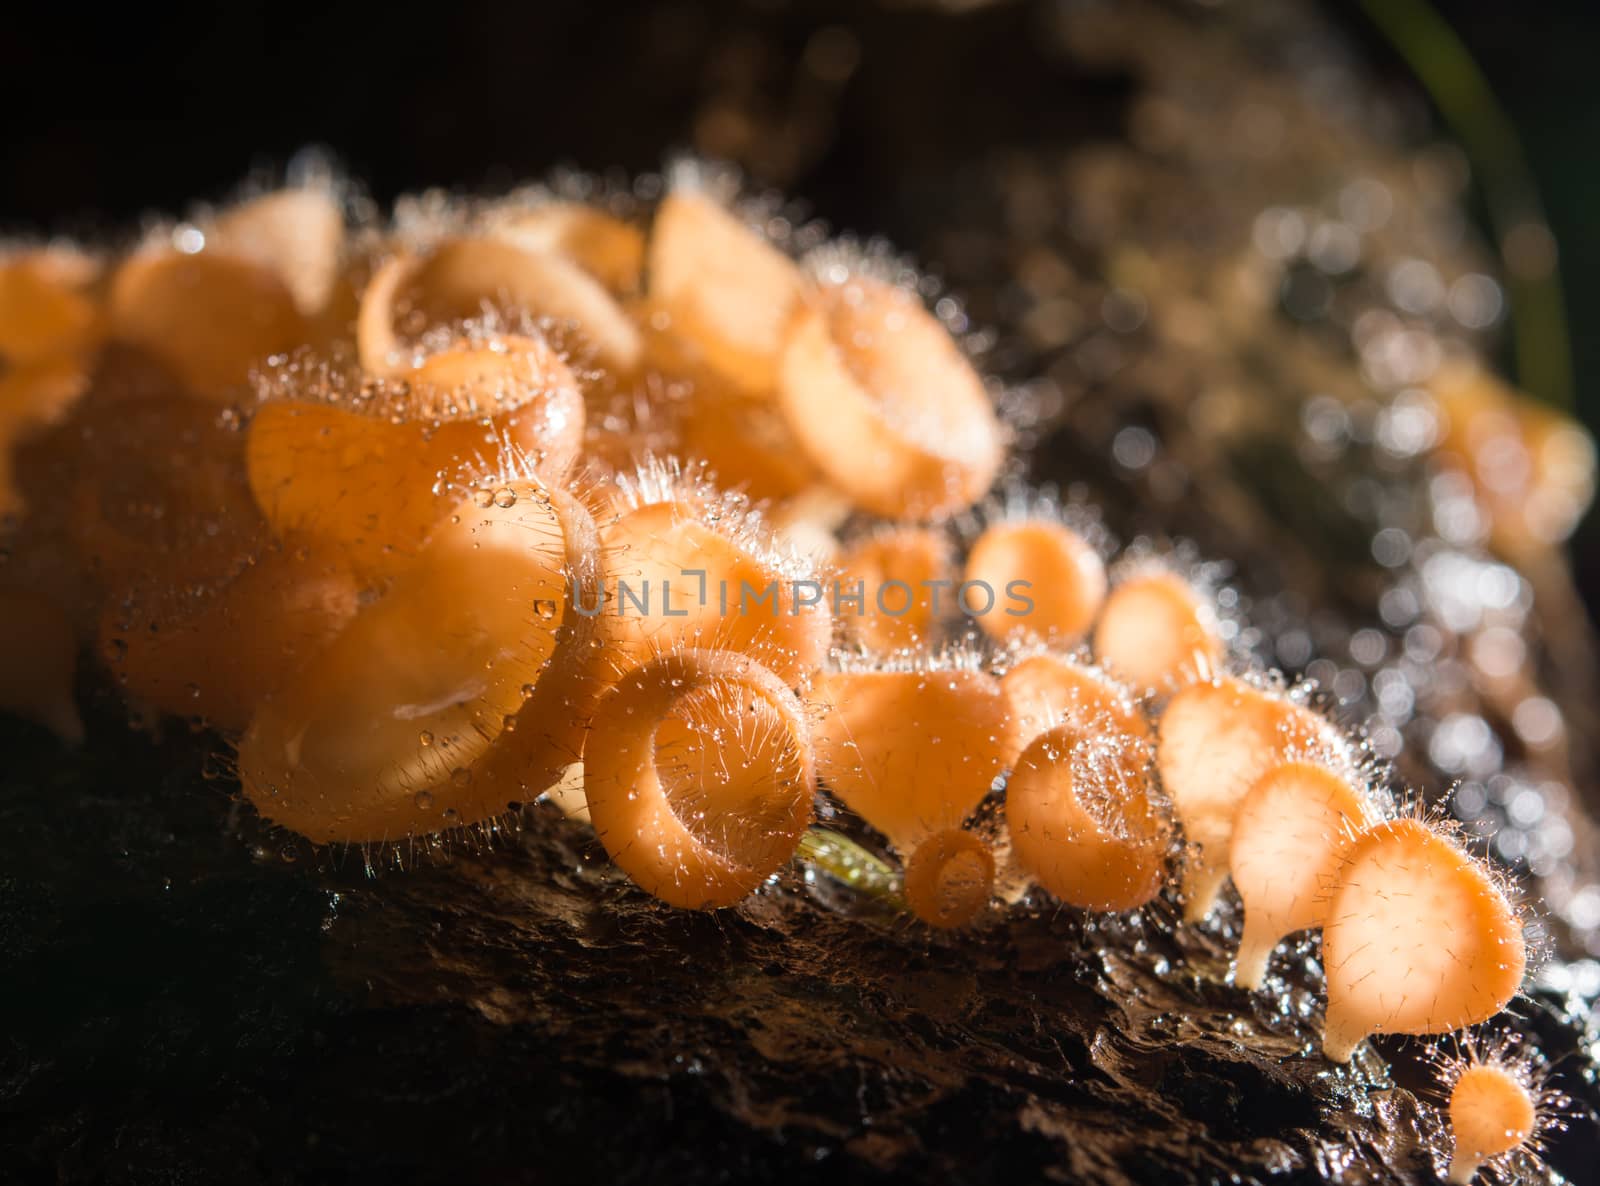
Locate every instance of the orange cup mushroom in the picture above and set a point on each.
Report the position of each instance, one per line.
(1418, 939)
(724, 294)
(296, 232)
(370, 467)
(1289, 838)
(547, 736)
(208, 317)
(608, 248)
(1532, 467)
(949, 878)
(1046, 689)
(885, 404)
(1494, 1111)
(913, 752)
(900, 571)
(700, 779)
(1157, 632)
(465, 278)
(1215, 741)
(691, 567)
(380, 735)
(1084, 819)
(1056, 569)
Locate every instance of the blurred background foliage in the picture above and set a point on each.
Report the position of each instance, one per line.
(148, 107)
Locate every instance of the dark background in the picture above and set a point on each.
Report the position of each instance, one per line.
(136, 108)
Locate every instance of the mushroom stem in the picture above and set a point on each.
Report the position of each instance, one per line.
(1463, 1166)
(1202, 884)
(1256, 946)
(1340, 1036)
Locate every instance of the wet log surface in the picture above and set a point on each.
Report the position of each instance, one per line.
(193, 999)
(189, 1005)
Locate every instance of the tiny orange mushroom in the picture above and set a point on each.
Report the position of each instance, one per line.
(1157, 632)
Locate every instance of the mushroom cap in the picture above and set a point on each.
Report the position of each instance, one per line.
(1492, 1111)
(700, 779)
(1156, 632)
(1418, 939)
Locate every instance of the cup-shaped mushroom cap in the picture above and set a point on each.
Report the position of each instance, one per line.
(1289, 838)
(461, 279)
(885, 404)
(1157, 632)
(608, 248)
(208, 317)
(1418, 939)
(949, 878)
(215, 651)
(376, 738)
(899, 570)
(41, 653)
(1492, 1111)
(297, 233)
(1047, 689)
(696, 573)
(1056, 569)
(699, 776)
(726, 292)
(911, 752)
(370, 467)
(547, 734)
(1215, 741)
(1084, 820)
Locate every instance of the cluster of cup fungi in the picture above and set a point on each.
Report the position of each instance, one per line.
(664, 509)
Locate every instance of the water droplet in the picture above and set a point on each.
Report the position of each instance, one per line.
(425, 737)
(423, 800)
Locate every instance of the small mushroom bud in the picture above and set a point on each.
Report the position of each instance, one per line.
(1157, 632)
(1061, 573)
